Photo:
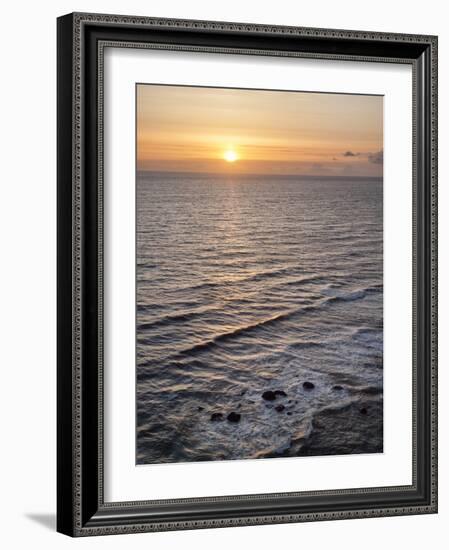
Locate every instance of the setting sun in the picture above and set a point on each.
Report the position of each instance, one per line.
(230, 155)
(225, 130)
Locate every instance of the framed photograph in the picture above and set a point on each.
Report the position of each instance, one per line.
(247, 280)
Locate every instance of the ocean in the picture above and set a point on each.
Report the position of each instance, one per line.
(259, 317)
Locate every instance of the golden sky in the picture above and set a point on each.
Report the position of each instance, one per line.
(226, 130)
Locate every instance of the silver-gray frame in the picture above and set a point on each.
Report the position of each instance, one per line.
(82, 39)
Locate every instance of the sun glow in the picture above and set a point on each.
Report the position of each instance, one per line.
(230, 155)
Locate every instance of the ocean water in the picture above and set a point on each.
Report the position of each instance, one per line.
(247, 284)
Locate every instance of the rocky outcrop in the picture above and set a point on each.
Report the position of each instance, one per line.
(308, 385)
(234, 417)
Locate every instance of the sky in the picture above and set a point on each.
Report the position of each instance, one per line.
(227, 130)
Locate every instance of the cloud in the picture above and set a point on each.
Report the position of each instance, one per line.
(376, 158)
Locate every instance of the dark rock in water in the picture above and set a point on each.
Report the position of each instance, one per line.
(200, 409)
(234, 417)
(243, 392)
(239, 405)
(308, 385)
(281, 393)
(215, 417)
(289, 413)
(269, 395)
(363, 410)
(337, 387)
(290, 401)
(279, 408)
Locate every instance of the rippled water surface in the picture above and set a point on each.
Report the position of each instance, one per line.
(251, 284)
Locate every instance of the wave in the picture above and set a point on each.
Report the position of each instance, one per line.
(247, 329)
(366, 331)
(253, 277)
(187, 316)
(175, 318)
(356, 294)
(224, 336)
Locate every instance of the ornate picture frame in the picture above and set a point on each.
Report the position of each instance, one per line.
(81, 507)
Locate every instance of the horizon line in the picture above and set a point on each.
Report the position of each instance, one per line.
(256, 174)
